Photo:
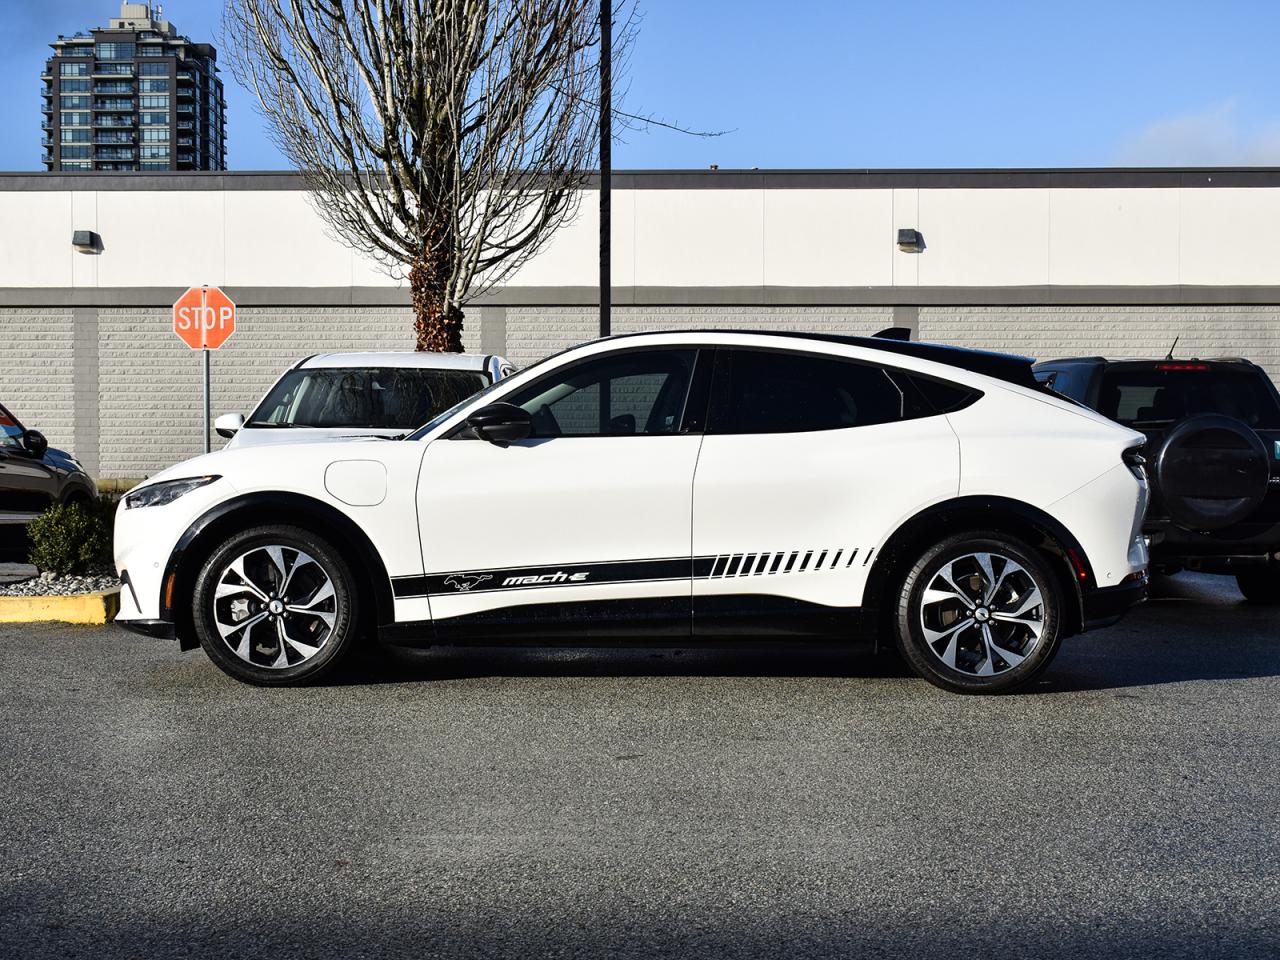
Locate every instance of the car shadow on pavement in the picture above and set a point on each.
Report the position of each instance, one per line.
(1195, 628)
(729, 658)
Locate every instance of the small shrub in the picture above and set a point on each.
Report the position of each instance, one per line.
(70, 539)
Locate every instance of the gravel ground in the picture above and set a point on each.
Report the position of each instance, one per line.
(47, 585)
(744, 801)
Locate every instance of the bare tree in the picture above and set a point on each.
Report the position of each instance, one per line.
(448, 137)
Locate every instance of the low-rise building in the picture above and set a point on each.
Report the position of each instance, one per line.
(1041, 262)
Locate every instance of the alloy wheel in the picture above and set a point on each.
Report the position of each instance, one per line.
(982, 614)
(275, 606)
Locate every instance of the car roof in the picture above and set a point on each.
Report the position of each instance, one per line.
(399, 358)
(1002, 366)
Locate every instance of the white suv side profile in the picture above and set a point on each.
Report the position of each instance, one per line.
(676, 486)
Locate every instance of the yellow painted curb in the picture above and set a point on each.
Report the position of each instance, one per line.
(82, 608)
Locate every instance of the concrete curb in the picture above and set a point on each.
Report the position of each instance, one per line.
(89, 608)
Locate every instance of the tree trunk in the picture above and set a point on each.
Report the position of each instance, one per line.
(437, 323)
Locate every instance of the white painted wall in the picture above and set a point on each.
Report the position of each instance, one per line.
(675, 238)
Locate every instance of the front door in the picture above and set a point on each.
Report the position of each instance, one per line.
(585, 525)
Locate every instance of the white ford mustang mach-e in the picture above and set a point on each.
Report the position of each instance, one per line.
(673, 486)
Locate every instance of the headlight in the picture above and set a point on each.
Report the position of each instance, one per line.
(167, 491)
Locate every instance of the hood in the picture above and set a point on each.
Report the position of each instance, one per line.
(63, 460)
(258, 436)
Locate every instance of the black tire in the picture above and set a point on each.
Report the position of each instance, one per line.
(1212, 472)
(967, 645)
(331, 625)
(1260, 585)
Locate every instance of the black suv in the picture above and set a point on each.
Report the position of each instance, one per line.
(1213, 455)
(33, 475)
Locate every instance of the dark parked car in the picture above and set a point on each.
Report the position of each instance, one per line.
(33, 476)
(1213, 455)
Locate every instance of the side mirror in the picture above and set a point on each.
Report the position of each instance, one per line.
(501, 423)
(228, 425)
(35, 443)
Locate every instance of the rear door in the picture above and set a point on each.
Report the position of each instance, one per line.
(808, 464)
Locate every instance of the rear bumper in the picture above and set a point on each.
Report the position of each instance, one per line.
(1104, 606)
(1245, 544)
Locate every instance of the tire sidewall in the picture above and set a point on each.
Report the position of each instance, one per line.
(910, 636)
(341, 637)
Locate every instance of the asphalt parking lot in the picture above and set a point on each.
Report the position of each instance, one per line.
(737, 802)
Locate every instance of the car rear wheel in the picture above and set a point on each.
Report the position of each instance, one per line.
(276, 606)
(979, 613)
(1260, 585)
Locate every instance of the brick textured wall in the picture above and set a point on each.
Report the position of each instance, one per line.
(1049, 332)
(147, 400)
(534, 332)
(36, 370)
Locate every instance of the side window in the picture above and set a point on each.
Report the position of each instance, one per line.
(637, 392)
(758, 391)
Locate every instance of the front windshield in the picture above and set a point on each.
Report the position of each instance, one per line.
(10, 431)
(381, 398)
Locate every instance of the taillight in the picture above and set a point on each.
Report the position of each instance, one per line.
(1182, 366)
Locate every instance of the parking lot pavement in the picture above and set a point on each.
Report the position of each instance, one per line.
(740, 802)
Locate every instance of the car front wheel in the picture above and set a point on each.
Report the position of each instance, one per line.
(276, 606)
(979, 613)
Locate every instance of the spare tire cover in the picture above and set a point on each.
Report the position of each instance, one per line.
(1212, 472)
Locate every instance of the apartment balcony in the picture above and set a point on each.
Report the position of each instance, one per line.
(185, 142)
(113, 121)
(115, 153)
(46, 125)
(186, 125)
(186, 108)
(46, 141)
(115, 136)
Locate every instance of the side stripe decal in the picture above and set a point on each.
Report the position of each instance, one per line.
(721, 566)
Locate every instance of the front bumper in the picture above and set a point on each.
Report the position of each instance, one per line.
(160, 629)
(1104, 606)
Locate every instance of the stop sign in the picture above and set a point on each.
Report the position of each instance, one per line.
(204, 317)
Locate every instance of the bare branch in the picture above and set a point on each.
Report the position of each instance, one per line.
(450, 137)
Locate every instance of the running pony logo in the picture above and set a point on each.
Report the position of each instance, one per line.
(465, 582)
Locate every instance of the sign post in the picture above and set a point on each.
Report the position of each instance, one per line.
(203, 318)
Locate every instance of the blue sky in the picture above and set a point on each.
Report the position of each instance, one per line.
(824, 83)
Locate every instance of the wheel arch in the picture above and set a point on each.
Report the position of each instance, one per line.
(1035, 527)
(200, 539)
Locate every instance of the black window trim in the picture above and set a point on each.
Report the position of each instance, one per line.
(461, 431)
(892, 373)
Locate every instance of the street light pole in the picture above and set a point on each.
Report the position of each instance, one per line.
(606, 163)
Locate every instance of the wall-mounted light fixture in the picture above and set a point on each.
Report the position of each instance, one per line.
(86, 241)
(910, 241)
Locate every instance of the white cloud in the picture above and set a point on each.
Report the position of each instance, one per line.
(1215, 136)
